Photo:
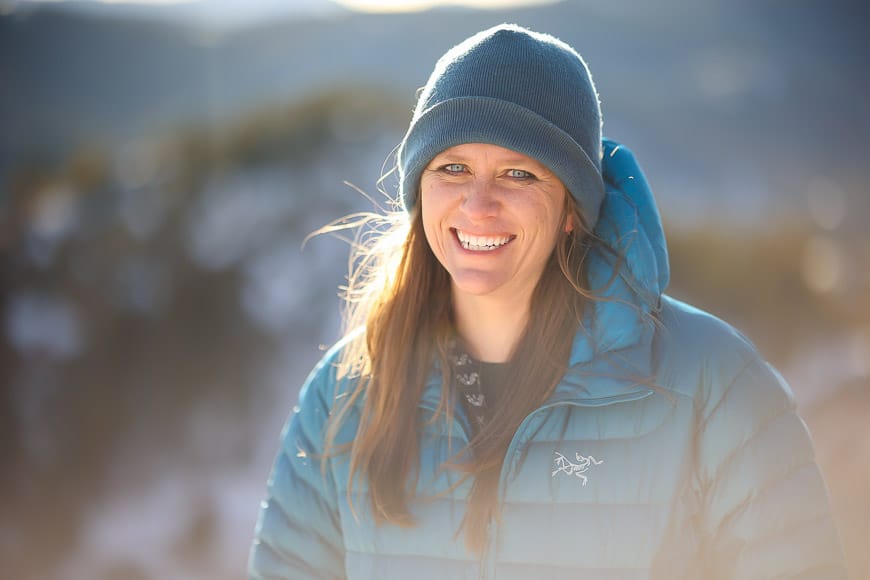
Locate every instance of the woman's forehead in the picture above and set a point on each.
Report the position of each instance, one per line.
(470, 151)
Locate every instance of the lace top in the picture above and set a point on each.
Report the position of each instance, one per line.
(478, 384)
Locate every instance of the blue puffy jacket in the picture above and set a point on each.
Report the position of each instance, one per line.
(670, 449)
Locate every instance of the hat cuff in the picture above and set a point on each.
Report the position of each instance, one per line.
(506, 124)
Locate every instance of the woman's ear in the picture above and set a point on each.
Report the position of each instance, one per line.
(569, 223)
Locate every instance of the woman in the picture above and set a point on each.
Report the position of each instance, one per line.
(515, 396)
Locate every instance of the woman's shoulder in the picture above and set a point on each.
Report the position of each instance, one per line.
(687, 326)
(326, 386)
(332, 376)
(702, 355)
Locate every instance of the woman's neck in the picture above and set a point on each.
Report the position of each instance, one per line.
(490, 328)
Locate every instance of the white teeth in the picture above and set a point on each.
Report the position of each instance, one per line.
(481, 243)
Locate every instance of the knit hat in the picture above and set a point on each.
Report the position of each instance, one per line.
(518, 89)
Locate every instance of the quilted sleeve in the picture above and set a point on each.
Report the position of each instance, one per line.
(298, 533)
(766, 508)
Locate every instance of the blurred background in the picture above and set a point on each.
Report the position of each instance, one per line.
(161, 164)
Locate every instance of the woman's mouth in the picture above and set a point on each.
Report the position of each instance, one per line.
(478, 243)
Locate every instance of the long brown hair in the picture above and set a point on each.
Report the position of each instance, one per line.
(400, 293)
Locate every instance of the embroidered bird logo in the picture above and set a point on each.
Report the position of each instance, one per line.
(564, 465)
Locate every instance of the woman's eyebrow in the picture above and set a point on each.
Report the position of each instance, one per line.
(522, 161)
(450, 157)
(459, 158)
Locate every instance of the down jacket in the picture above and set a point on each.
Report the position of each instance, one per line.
(670, 449)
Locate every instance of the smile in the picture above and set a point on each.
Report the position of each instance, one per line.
(482, 243)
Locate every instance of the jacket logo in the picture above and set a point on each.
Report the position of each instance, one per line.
(564, 465)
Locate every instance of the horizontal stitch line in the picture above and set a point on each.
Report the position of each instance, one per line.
(813, 568)
(572, 568)
(595, 503)
(775, 534)
(438, 558)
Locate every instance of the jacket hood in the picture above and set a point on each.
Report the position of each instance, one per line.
(630, 283)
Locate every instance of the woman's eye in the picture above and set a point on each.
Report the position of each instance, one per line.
(454, 168)
(520, 174)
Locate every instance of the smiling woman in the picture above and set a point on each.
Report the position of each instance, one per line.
(515, 396)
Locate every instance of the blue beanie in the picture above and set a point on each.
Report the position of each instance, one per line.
(518, 89)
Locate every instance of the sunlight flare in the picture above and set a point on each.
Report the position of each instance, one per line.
(384, 6)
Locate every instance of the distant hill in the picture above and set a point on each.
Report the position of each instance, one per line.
(756, 97)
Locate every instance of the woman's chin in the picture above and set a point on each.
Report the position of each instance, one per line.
(475, 283)
(480, 284)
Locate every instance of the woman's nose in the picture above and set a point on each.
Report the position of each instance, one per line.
(480, 200)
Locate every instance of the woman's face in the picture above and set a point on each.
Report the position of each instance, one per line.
(492, 217)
